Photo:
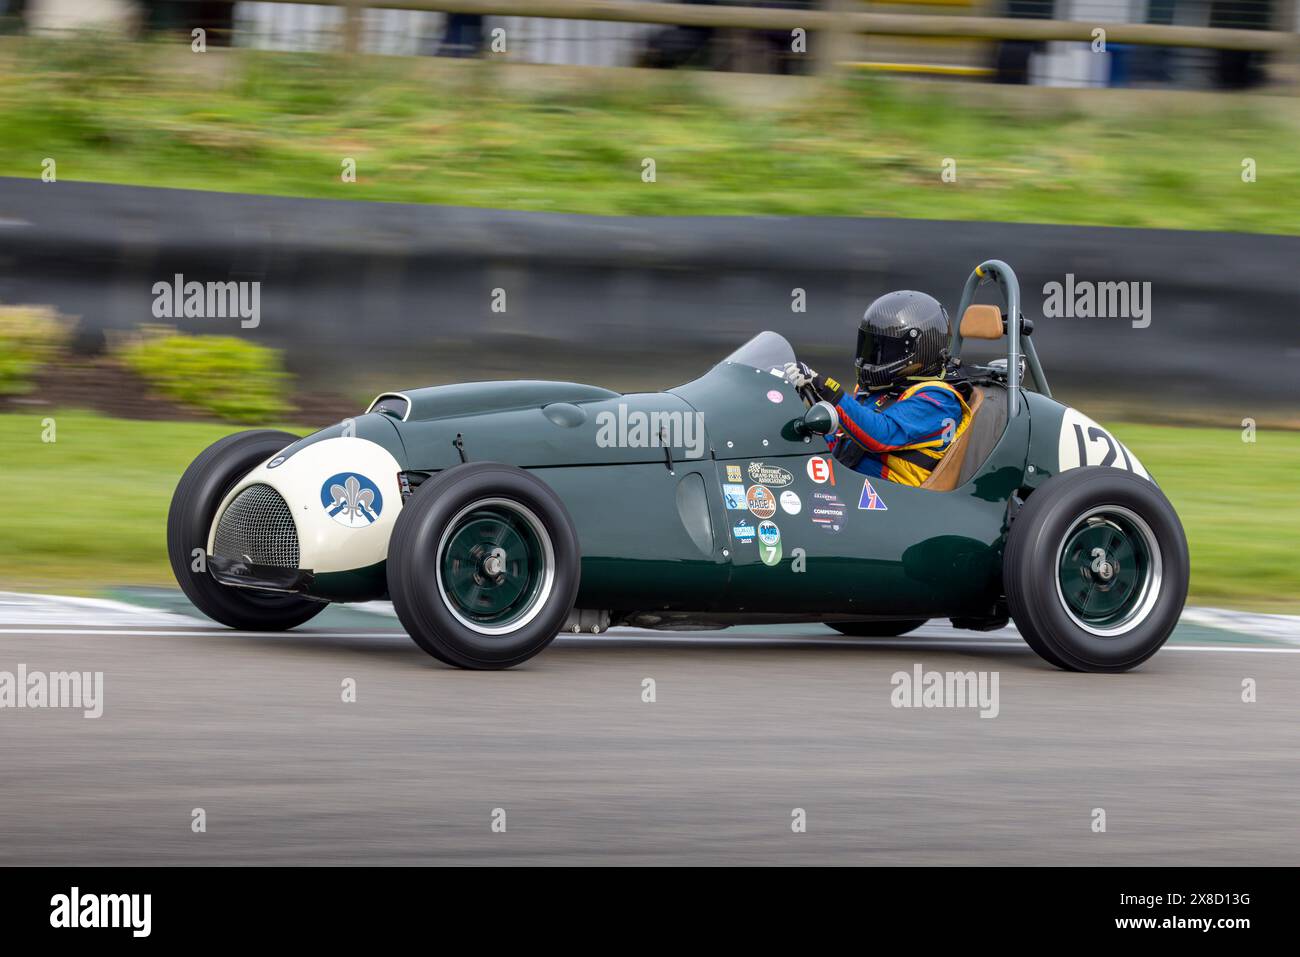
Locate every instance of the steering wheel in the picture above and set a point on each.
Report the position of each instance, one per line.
(809, 395)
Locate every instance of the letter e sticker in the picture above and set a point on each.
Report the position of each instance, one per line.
(820, 470)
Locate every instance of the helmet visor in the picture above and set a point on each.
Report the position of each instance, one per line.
(877, 350)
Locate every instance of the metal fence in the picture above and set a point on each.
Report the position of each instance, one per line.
(295, 26)
(1224, 43)
(1045, 61)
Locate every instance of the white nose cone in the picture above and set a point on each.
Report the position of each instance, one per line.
(344, 498)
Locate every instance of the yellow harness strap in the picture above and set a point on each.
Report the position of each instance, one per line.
(919, 459)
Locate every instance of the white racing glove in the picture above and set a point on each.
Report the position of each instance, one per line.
(799, 375)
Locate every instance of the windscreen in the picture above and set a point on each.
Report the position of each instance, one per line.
(766, 351)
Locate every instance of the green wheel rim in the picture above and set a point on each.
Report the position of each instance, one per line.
(495, 566)
(1108, 571)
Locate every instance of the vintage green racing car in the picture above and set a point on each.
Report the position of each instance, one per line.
(496, 515)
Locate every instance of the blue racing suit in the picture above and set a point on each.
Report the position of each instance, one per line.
(899, 437)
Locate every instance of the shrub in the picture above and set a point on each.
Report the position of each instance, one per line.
(30, 336)
(237, 380)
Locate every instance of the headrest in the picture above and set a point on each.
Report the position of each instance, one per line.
(982, 322)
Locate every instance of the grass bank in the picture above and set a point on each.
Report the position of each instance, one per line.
(473, 134)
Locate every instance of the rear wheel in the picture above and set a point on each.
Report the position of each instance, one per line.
(877, 629)
(483, 566)
(194, 506)
(1096, 570)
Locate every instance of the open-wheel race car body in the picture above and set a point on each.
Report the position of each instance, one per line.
(496, 515)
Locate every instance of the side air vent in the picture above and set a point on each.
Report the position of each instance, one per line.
(258, 528)
(693, 510)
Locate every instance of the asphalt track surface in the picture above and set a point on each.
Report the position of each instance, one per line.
(747, 725)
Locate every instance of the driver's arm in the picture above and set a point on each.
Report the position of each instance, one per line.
(921, 418)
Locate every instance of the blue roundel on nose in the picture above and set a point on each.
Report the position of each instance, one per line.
(351, 499)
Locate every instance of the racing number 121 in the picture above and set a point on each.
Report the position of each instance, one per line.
(1096, 433)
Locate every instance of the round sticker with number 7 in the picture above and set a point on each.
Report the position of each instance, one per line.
(769, 543)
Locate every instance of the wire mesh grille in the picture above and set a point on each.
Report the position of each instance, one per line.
(258, 528)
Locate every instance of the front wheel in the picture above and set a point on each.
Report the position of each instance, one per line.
(483, 566)
(1096, 570)
(194, 505)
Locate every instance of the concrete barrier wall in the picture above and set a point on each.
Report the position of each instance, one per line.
(386, 295)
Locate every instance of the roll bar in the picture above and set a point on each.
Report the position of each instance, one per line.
(998, 272)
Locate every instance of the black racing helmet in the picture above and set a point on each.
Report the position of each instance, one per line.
(903, 335)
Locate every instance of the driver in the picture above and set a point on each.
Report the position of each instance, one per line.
(902, 417)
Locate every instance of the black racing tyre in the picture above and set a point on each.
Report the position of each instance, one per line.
(483, 565)
(877, 629)
(194, 505)
(1096, 570)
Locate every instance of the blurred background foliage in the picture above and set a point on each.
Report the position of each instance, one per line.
(30, 337)
(236, 380)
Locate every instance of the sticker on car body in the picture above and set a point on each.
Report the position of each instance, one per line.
(761, 501)
(769, 548)
(773, 476)
(820, 470)
(870, 499)
(827, 511)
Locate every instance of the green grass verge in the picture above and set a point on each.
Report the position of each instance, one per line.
(470, 134)
(93, 512)
(94, 505)
(1238, 505)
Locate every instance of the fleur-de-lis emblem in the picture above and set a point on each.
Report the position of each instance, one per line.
(352, 501)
